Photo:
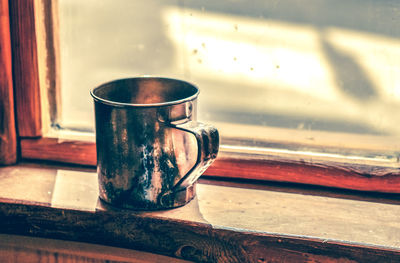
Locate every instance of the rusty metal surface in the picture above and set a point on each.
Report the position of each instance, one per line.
(150, 148)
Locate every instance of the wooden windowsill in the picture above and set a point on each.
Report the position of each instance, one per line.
(17, 248)
(226, 222)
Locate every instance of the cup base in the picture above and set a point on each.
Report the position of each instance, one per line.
(173, 200)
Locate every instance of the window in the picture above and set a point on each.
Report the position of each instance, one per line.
(258, 65)
(307, 96)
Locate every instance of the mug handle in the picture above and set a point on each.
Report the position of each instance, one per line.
(207, 138)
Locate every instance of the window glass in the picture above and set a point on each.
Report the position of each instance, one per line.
(326, 65)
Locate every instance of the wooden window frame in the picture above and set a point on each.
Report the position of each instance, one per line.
(271, 166)
(8, 138)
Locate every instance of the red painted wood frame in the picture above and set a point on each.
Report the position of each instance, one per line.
(35, 145)
(25, 68)
(8, 139)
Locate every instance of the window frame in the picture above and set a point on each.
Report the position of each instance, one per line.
(8, 136)
(35, 142)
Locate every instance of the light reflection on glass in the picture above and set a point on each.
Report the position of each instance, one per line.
(320, 66)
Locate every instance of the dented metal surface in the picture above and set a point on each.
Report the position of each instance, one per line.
(150, 148)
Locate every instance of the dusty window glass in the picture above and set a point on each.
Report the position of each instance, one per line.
(330, 65)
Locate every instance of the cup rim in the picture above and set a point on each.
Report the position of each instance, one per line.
(124, 104)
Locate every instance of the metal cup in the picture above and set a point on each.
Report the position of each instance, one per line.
(150, 148)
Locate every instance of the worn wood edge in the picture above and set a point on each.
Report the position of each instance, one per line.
(332, 174)
(23, 202)
(199, 242)
(35, 249)
(25, 68)
(59, 150)
(8, 136)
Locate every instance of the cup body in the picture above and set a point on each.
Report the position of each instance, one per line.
(142, 157)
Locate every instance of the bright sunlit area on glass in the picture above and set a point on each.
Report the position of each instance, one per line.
(329, 65)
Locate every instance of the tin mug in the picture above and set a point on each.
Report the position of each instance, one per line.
(150, 148)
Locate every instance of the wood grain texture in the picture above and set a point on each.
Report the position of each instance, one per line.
(25, 68)
(224, 224)
(37, 186)
(186, 240)
(8, 141)
(59, 150)
(347, 176)
(357, 217)
(333, 174)
(30, 249)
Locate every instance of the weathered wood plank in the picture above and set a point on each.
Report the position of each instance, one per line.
(331, 174)
(8, 141)
(30, 249)
(27, 184)
(223, 224)
(187, 240)
(359, 217)
(25, 68)
(60, 150)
